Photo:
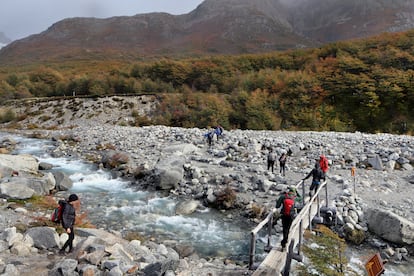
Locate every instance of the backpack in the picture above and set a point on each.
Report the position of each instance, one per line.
(324, 164)
(289, 208)
(56, 215)
(271, 156)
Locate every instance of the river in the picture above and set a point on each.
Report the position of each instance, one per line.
(110, 203)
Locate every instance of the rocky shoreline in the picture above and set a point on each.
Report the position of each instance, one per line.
(180, 162)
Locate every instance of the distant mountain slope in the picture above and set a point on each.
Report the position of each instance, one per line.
(328, 21)
(4, 40)
(214, 27)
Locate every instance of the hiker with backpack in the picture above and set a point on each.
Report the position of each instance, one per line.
(218, 131)
(68, 221)
(209, 135)
(289, 202)
(282, 163)
(317, 176)
(271, 158)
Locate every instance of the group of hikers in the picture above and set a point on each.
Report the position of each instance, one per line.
(271, 158)
(287, 201)
(290, 201)
(217, 131)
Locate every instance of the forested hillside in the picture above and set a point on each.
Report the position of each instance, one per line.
(364, 85)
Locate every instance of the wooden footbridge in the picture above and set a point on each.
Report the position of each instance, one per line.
(278, 262)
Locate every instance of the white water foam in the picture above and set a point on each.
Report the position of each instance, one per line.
(111, 203)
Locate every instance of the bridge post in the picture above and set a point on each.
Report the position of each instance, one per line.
(318, 205)
(269, 234)
(252, 250)
(303, 193)
(288, 262)
(310, 217)
(300, 237)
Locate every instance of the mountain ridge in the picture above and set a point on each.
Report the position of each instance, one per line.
(214, 27)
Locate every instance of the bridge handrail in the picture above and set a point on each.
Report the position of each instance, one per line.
(253, 233)
(304, 211)
(297, 222)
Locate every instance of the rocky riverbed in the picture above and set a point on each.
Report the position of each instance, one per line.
(180, 162)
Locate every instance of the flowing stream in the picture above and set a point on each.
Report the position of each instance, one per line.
(110, 203)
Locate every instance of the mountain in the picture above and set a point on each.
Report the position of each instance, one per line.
(214, 27)
(329, 21)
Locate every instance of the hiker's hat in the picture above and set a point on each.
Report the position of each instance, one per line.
(292, 189)
(73, 197)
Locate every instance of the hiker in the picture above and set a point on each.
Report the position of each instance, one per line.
(218, 131)
(282, 163)
(271, 157)
(317, 175)
(287, 202)
(209, 135)
(68, 222)
(324, 164)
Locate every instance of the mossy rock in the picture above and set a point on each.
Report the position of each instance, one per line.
(355, 236)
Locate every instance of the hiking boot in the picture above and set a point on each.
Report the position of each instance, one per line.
(62, 252)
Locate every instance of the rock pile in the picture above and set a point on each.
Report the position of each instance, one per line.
(96, 251)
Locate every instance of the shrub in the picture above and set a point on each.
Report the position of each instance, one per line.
(129, 236)
(7, 116)
(226, 198)
(356, 236)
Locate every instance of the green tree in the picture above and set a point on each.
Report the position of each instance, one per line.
(45, 81)
(261, 111)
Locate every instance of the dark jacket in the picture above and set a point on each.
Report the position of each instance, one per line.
(282, 159)
(68, 215)
(316, 173)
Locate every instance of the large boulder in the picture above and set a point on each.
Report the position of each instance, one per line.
(21, 163)
(44, 237)
(63, 182)
(25, 187)
(186, 207)
(41, 186)
(112, 159)
(16, 188)
(390, 226)
(110, 239)
(169, 172)
(376, 162)
(64, 267)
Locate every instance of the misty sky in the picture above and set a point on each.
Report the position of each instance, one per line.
(21, 18)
